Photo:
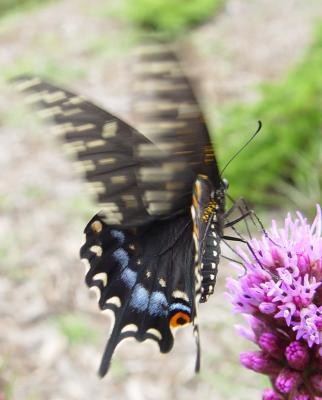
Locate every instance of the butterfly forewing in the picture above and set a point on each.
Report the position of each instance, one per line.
(132, 178)
(168, 113)
(114, 158)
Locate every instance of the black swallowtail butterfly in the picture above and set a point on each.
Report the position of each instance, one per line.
(153, 249)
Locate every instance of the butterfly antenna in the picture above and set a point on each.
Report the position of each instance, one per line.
(242, 148)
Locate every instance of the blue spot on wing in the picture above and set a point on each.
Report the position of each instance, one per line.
(158, 304)
(129, 277)
(139, 298)
(181, 307)
(122, 257)
(119, 235)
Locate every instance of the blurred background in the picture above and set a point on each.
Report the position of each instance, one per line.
(249, 60)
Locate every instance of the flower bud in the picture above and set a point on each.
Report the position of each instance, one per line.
(270, 394)
(297, 355)
(302, 396)
(269, 342)
(258, 362)
(287, 380)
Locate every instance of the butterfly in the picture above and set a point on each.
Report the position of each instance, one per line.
(153, 249)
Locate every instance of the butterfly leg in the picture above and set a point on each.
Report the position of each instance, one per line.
(239, 239)
(243, 208)
(242, 205)
(235, 221)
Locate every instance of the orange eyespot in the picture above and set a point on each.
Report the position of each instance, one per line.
(179, 319)
(96, 226)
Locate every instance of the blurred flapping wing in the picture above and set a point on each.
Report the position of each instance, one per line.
(168, 113)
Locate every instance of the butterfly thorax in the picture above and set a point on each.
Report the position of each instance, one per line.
(208, 207)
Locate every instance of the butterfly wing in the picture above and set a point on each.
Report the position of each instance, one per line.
(134, 180)
(168, 113)
(139, 248)
(142, 268)
(144, 277)
(103, 148)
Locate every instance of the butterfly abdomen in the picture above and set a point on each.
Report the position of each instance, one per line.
(210, 260)
(207, 218)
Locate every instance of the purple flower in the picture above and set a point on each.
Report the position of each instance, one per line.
(309, 327)
(281, 298)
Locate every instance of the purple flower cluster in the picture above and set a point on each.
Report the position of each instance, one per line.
(280, 296)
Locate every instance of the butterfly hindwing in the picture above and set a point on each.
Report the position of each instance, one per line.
(144, 277)
(134, 180)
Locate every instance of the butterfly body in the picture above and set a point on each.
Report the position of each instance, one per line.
(207, 209)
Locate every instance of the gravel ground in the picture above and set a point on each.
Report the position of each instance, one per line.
(51, 333)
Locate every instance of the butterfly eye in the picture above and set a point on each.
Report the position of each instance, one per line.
(179, 319)
(97, 226)
(225, 183)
